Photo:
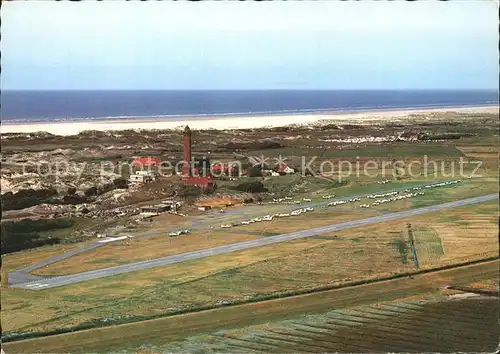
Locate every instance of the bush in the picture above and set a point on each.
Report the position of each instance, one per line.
(329, 127)
(189, 193)
(338, 183)
(251, 187)
(29, 225)
(120, 183)
(254, 171)
(90, 192)
(446, 136)
(38, 193)
(26, 198)
(74, 199)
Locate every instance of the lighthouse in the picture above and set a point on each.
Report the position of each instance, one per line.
(205, 182)
(186, 169)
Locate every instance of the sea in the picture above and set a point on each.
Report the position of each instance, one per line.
(50, 106)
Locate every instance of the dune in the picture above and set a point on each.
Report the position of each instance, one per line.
(235, 122)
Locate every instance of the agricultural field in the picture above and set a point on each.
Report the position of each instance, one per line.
(417, 325)
(381, 250)
(212, 328)
(446, 237)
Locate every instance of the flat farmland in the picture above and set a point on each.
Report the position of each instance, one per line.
(457, 235)
(159, 290)
(324, 260)
(132, 250)
(299, 264)
(166, 334)
(446, 237)
(480, 152)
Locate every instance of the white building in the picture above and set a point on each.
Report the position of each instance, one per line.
(287, 169)
(142, 177)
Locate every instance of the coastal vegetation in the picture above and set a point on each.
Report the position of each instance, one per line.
(25, 234)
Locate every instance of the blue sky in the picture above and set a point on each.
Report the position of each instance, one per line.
(250, 45)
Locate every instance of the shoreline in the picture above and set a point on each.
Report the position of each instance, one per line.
(228, 122)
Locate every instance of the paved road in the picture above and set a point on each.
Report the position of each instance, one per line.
(23, 275)
(127, 268)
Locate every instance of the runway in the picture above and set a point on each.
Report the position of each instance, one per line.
(51, 282)
(23, 275)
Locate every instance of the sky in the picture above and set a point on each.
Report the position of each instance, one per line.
(118, 45)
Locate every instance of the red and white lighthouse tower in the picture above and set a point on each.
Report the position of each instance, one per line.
(205, 182)
(186, 169)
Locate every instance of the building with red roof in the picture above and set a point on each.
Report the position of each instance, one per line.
(146, 161)
(286, 169)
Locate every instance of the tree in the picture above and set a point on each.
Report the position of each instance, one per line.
(254, 171)
(120, 183)
(251, 187)
(91, 191)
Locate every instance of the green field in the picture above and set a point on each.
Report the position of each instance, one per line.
(352, 255)
(165, 332)
(400, 149)
(427, 325)
(428, 245)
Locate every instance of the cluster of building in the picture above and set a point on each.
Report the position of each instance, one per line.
(197, 173)
(142, 177)
(281, 170)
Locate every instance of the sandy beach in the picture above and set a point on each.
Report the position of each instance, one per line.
(235, 122)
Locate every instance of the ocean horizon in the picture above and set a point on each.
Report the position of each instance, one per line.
(52, 106)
